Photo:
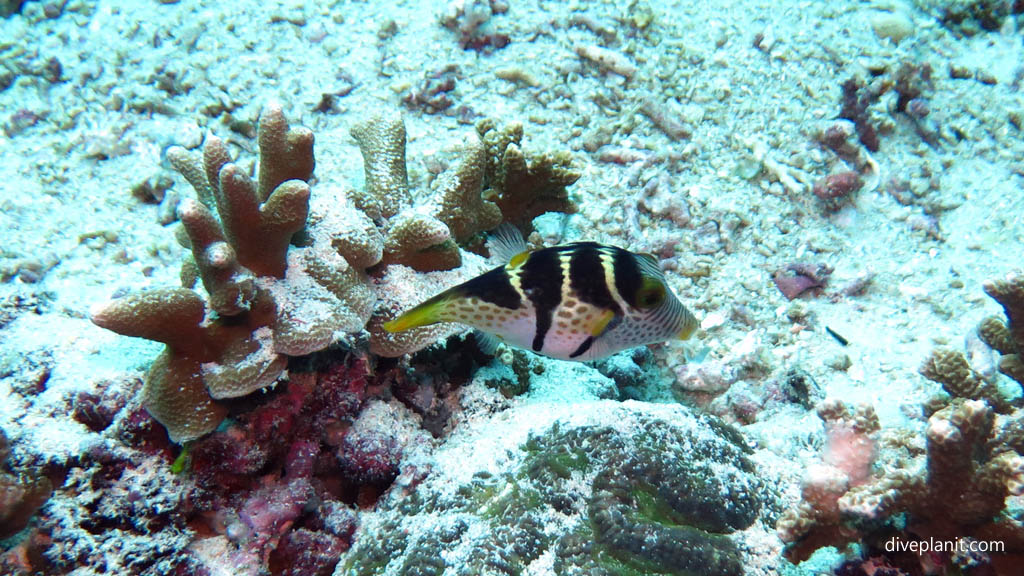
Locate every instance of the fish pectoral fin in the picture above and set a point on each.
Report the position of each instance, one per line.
(604, 322)
(518, 260)
(427, 313)
(487, 342)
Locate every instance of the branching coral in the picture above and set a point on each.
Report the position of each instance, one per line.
(463, 208)
(818, 519)
(264, 300)
(956, 486)
(1008, 338)
(969, 472)
(413, 238)
(524, 187)
(952, 368)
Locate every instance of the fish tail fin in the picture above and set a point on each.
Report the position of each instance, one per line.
(430, 312)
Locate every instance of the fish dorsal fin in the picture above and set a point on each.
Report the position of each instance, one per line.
(506, 243)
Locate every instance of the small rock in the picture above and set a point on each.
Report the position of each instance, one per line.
(893, 26)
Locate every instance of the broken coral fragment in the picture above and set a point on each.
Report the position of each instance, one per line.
(795, 279)
(20, 495)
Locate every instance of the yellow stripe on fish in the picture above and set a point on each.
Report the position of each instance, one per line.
(580, 301)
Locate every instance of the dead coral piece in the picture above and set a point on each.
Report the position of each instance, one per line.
(664, 119)
(856, 99)
(432, 94)
(20, 496)
(471, 20)
(795, 279)
(607, 60)
(522, 187)
(835, 189)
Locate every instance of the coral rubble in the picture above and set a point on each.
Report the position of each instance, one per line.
(20, 496)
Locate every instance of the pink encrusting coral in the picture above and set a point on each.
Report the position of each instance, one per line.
(846, 464)
(278, 486)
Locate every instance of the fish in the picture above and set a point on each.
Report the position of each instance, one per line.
(580, 301)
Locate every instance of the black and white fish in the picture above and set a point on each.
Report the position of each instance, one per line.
(580, 301)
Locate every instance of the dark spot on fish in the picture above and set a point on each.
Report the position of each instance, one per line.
(541, 281)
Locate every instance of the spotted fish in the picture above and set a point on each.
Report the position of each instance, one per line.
(580, 301)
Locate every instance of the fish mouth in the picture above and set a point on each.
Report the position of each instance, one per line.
(687, 330)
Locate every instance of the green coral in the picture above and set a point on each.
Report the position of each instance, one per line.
(645, 496)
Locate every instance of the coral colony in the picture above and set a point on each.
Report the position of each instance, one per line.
(295, 403)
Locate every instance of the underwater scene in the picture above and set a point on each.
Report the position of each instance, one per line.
(512, 288)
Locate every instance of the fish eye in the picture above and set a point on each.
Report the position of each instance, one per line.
(651, 294)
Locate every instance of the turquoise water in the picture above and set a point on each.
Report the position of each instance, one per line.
(211, 210)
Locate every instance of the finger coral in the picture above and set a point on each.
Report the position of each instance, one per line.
(849, 452)
(264, 299)
(413, 238)
(1008, 338)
